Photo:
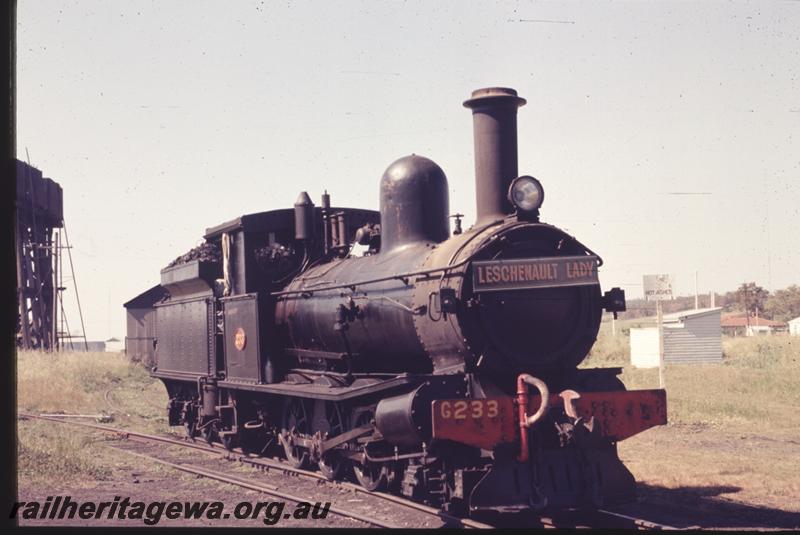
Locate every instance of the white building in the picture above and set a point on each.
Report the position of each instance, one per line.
(794, 327)
(690, 336)
(115, 345)
(644, 347)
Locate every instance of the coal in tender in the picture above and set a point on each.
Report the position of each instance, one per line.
(206, 252)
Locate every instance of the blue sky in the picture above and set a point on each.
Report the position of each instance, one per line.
(161, 119)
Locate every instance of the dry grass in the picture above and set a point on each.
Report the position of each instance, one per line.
(91, 383)
(55, 454)
(80, 383)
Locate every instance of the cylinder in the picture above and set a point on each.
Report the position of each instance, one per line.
(414, 203)
(494, 116)
(395, 419)
(210, 400)
(342, 223)
(303, 217)
(405, 420)
(334, 230)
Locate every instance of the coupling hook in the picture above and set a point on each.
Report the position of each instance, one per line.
(525, 421)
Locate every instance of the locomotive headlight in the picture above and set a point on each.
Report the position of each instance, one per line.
(526, 194)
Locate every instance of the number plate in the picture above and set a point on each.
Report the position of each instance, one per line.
(484, 423)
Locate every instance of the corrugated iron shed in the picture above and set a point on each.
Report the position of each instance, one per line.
(690, 336)
(693, 336)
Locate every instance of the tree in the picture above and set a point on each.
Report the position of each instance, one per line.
(752, 298)
(730, 301)
(784, 304)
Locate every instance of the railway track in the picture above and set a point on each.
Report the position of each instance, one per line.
(598, 518)
(264, 464)
(603, 519)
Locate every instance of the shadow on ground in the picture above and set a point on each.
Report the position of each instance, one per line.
(682, 507)
(705, 507)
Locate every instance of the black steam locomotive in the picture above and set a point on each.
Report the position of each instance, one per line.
(440, 365)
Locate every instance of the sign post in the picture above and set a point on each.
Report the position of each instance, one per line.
(660, 321)
(658, 288)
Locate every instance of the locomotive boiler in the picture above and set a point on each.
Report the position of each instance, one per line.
(442, 365)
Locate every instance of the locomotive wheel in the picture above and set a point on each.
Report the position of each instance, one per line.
(370, 475)
(295, 422)
(330, 465)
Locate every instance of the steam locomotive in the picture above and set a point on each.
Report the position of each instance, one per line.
(440, 365)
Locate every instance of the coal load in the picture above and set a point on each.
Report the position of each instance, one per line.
(206, 252)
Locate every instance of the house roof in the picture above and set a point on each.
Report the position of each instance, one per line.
(683, 314)
(740, 320)
(794, 320)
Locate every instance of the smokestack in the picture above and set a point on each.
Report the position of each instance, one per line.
(494, 117)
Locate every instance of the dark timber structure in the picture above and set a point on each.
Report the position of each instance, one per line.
(38, 228)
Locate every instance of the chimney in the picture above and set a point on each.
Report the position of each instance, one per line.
(494, 116)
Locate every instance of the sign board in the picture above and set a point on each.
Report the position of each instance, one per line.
(523, 273)
(657, 287)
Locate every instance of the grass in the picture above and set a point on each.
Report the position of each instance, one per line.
(55, 454)
(106, 384)
(91, 383)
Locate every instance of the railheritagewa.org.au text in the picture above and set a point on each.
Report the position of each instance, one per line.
(57, 508)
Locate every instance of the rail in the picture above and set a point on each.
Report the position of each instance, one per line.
(448, 519)
(594, 518)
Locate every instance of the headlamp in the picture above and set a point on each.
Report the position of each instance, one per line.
(526, 194)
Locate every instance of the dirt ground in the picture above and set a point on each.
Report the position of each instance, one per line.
(696, 475)
(139, 480)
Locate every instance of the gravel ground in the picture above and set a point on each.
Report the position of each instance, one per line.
(714, 477)
(136, 478)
